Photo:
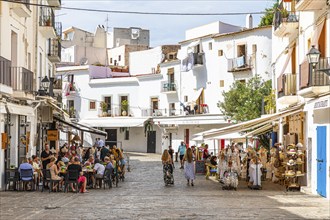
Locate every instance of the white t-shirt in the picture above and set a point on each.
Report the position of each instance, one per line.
(99, 168)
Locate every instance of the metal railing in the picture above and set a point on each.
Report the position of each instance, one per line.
(289, 85)
(239, 63)
(54, 48)
(58, 29)
(316, 76)
(5, 71)
(47, 17)
(22, 79)
(287, 16)
(167, 86)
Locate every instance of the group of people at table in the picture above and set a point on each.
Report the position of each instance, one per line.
(90, 164)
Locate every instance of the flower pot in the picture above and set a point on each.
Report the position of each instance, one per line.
(123, 113)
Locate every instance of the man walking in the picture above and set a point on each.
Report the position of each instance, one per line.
(182, 151)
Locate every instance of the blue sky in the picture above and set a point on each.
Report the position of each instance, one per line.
(163, 29)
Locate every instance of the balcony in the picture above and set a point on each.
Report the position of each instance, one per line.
(47, 22)
(5, 76)
(54, 3)
(22, 8)
(168, 87)
(285, 24)
(54, 50)
(287, 89)
(314, 82)
(307, 5)
(160, 112)
(23, 83)
(238, 64)
(115, 111)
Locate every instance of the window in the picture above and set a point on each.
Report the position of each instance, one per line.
(107, 100)
(172, 108)
(220, 53)
(210, 46)
(186, 98)
(119, 58)
(242, 81)
(115, 63)
(92, 105)
(241, 50)
(222, 83)
(126, 134)
(110, 60)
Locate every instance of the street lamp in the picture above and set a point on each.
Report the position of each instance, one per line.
(313, 56)
(45, 83)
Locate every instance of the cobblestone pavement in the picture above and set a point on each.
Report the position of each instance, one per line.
(144, 196)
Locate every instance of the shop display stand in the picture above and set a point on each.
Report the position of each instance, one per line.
(293, 171)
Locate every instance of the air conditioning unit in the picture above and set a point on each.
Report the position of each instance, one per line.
(46, 114)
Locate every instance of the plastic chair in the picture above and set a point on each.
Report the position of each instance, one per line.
(48, 178)
(27, 174)
(12, 176)
(107, 178)
(71, 177)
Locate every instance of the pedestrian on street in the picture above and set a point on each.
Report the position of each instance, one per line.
(189, 168)
(182, 151)
(45, 156)
(171, 152)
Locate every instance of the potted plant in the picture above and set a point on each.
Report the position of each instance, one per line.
(124, 107)
(72, 112)
(104, 107)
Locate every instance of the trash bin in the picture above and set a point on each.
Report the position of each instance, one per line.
(176, 157)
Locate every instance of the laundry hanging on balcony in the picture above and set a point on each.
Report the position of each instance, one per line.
(187, 63)
(240, 61)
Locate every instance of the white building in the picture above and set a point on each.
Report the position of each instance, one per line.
(80, 47)
(179, 103)
(297, 82)
(29, 49)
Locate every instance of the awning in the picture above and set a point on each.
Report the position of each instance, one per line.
(261, 130)
(81, 127)
(20, 109)
(255, 123)
(59, 110)
(191, 120)
(196, 95)
(109, 122)
(230, 136)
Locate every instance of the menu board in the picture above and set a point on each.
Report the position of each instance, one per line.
(200, 167)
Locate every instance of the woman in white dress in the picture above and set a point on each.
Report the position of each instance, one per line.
(189, 167)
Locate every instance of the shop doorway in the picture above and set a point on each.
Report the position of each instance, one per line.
(321, 160)
(151, 142)
(111, 137)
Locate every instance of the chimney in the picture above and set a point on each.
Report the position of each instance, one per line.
(249, 21)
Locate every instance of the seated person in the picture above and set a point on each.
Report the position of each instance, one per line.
(82, 179)
(99, 171)
(25, 166)
(54, 172)
(90, 161)
(213, 160)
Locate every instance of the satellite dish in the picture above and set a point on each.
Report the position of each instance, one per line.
(84, 61)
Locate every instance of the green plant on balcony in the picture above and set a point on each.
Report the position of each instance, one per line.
(104, 107)
(124, 107)
(72, 112)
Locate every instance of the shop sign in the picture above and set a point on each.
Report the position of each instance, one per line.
(52, 135)
(4, 140)
(321, 104)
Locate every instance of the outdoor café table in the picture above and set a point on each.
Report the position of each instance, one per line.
(88, 173)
